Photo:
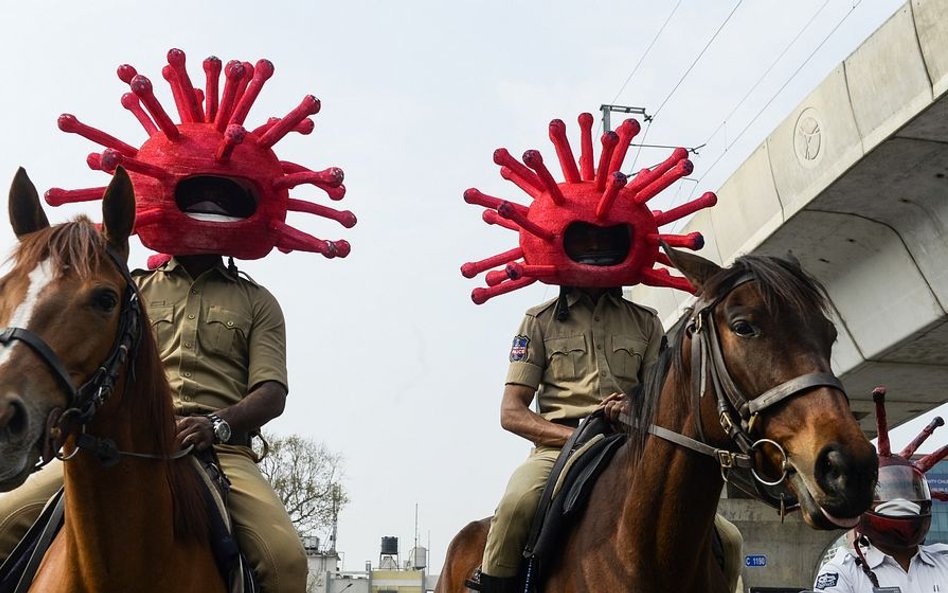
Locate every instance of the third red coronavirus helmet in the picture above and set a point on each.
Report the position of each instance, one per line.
(901, 514)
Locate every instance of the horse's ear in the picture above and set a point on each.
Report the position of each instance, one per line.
(695, 268)
(26, 214)
(118, 210)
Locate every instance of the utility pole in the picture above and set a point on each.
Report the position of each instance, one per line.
(335, 518)
(607, 111)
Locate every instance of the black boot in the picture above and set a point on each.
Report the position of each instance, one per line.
(491, 584)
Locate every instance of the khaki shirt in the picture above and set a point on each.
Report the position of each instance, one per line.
(218, 336)
(601, 348)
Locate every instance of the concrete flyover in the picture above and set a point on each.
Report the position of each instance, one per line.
(854, 182)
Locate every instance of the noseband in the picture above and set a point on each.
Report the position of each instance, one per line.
(91, 395)
(736, 412)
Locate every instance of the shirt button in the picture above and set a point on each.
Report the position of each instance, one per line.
(601, 373)
(187, 373)
(598, 346)
(596, 318)
(230, 323)
(187, 345)
(194, 291)
(186, 398)
(191, 316)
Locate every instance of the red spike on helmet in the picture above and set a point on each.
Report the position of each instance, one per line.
(211, 142)
(590, 199)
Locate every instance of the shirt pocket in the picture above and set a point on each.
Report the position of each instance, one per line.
(565, 356)
(162, 325)
(627, 355)
(225, 332)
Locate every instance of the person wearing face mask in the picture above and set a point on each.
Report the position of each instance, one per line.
(889, 553)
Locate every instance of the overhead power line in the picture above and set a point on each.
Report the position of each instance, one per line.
(642, 59)
(767, 71)
(683, 77)
(704, 49)
(776, 94)
(647, 50)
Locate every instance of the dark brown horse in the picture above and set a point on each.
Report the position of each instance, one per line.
(745, 392)
(79, 366)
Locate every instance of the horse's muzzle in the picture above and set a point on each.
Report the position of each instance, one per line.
(847, 479)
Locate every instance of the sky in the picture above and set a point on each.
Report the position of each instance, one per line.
(390, 363)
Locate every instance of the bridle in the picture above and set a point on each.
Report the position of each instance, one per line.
(84, 401)
(737, 413)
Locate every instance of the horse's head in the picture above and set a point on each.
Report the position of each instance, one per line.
(760, 336)
(62, 305)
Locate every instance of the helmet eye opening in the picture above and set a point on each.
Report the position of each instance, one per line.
(588, 244)
(204, 195)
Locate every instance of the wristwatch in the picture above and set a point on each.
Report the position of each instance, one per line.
(221, 428)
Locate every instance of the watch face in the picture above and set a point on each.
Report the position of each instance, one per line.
(220, 427)
(222, 430)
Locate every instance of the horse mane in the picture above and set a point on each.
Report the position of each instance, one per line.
(78, 247)
(785, 289)
(73, 246)
(153, 400)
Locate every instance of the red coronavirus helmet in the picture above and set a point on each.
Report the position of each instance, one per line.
(594, 229)
(901, 514)
(208, 185)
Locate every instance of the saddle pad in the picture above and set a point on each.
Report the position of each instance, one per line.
(595, 424)
(574, 493)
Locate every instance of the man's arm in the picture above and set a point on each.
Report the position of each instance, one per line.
(517, 417)
(264, 403)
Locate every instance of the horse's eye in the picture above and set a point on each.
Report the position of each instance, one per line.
(104, 300)
(743, 329)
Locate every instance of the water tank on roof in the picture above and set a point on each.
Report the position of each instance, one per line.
(389, 546)
(419, 557)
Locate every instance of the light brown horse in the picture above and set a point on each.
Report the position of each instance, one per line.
(72, 319)
(758, 328)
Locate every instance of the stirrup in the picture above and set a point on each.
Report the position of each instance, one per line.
(474, 583)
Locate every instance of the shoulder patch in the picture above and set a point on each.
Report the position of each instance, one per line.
(518, 351)
(827, 579)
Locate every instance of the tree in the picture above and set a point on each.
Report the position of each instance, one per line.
(307, 477)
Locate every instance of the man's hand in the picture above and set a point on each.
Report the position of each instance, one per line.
(615, 406)
(194, 430)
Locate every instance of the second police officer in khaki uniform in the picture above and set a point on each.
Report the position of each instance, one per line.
(573, 364)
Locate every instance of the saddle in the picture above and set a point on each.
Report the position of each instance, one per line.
(584, 456)
(582, 459)
(18, 570)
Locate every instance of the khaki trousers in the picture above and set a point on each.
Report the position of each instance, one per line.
(264, 531)
(511, 523)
